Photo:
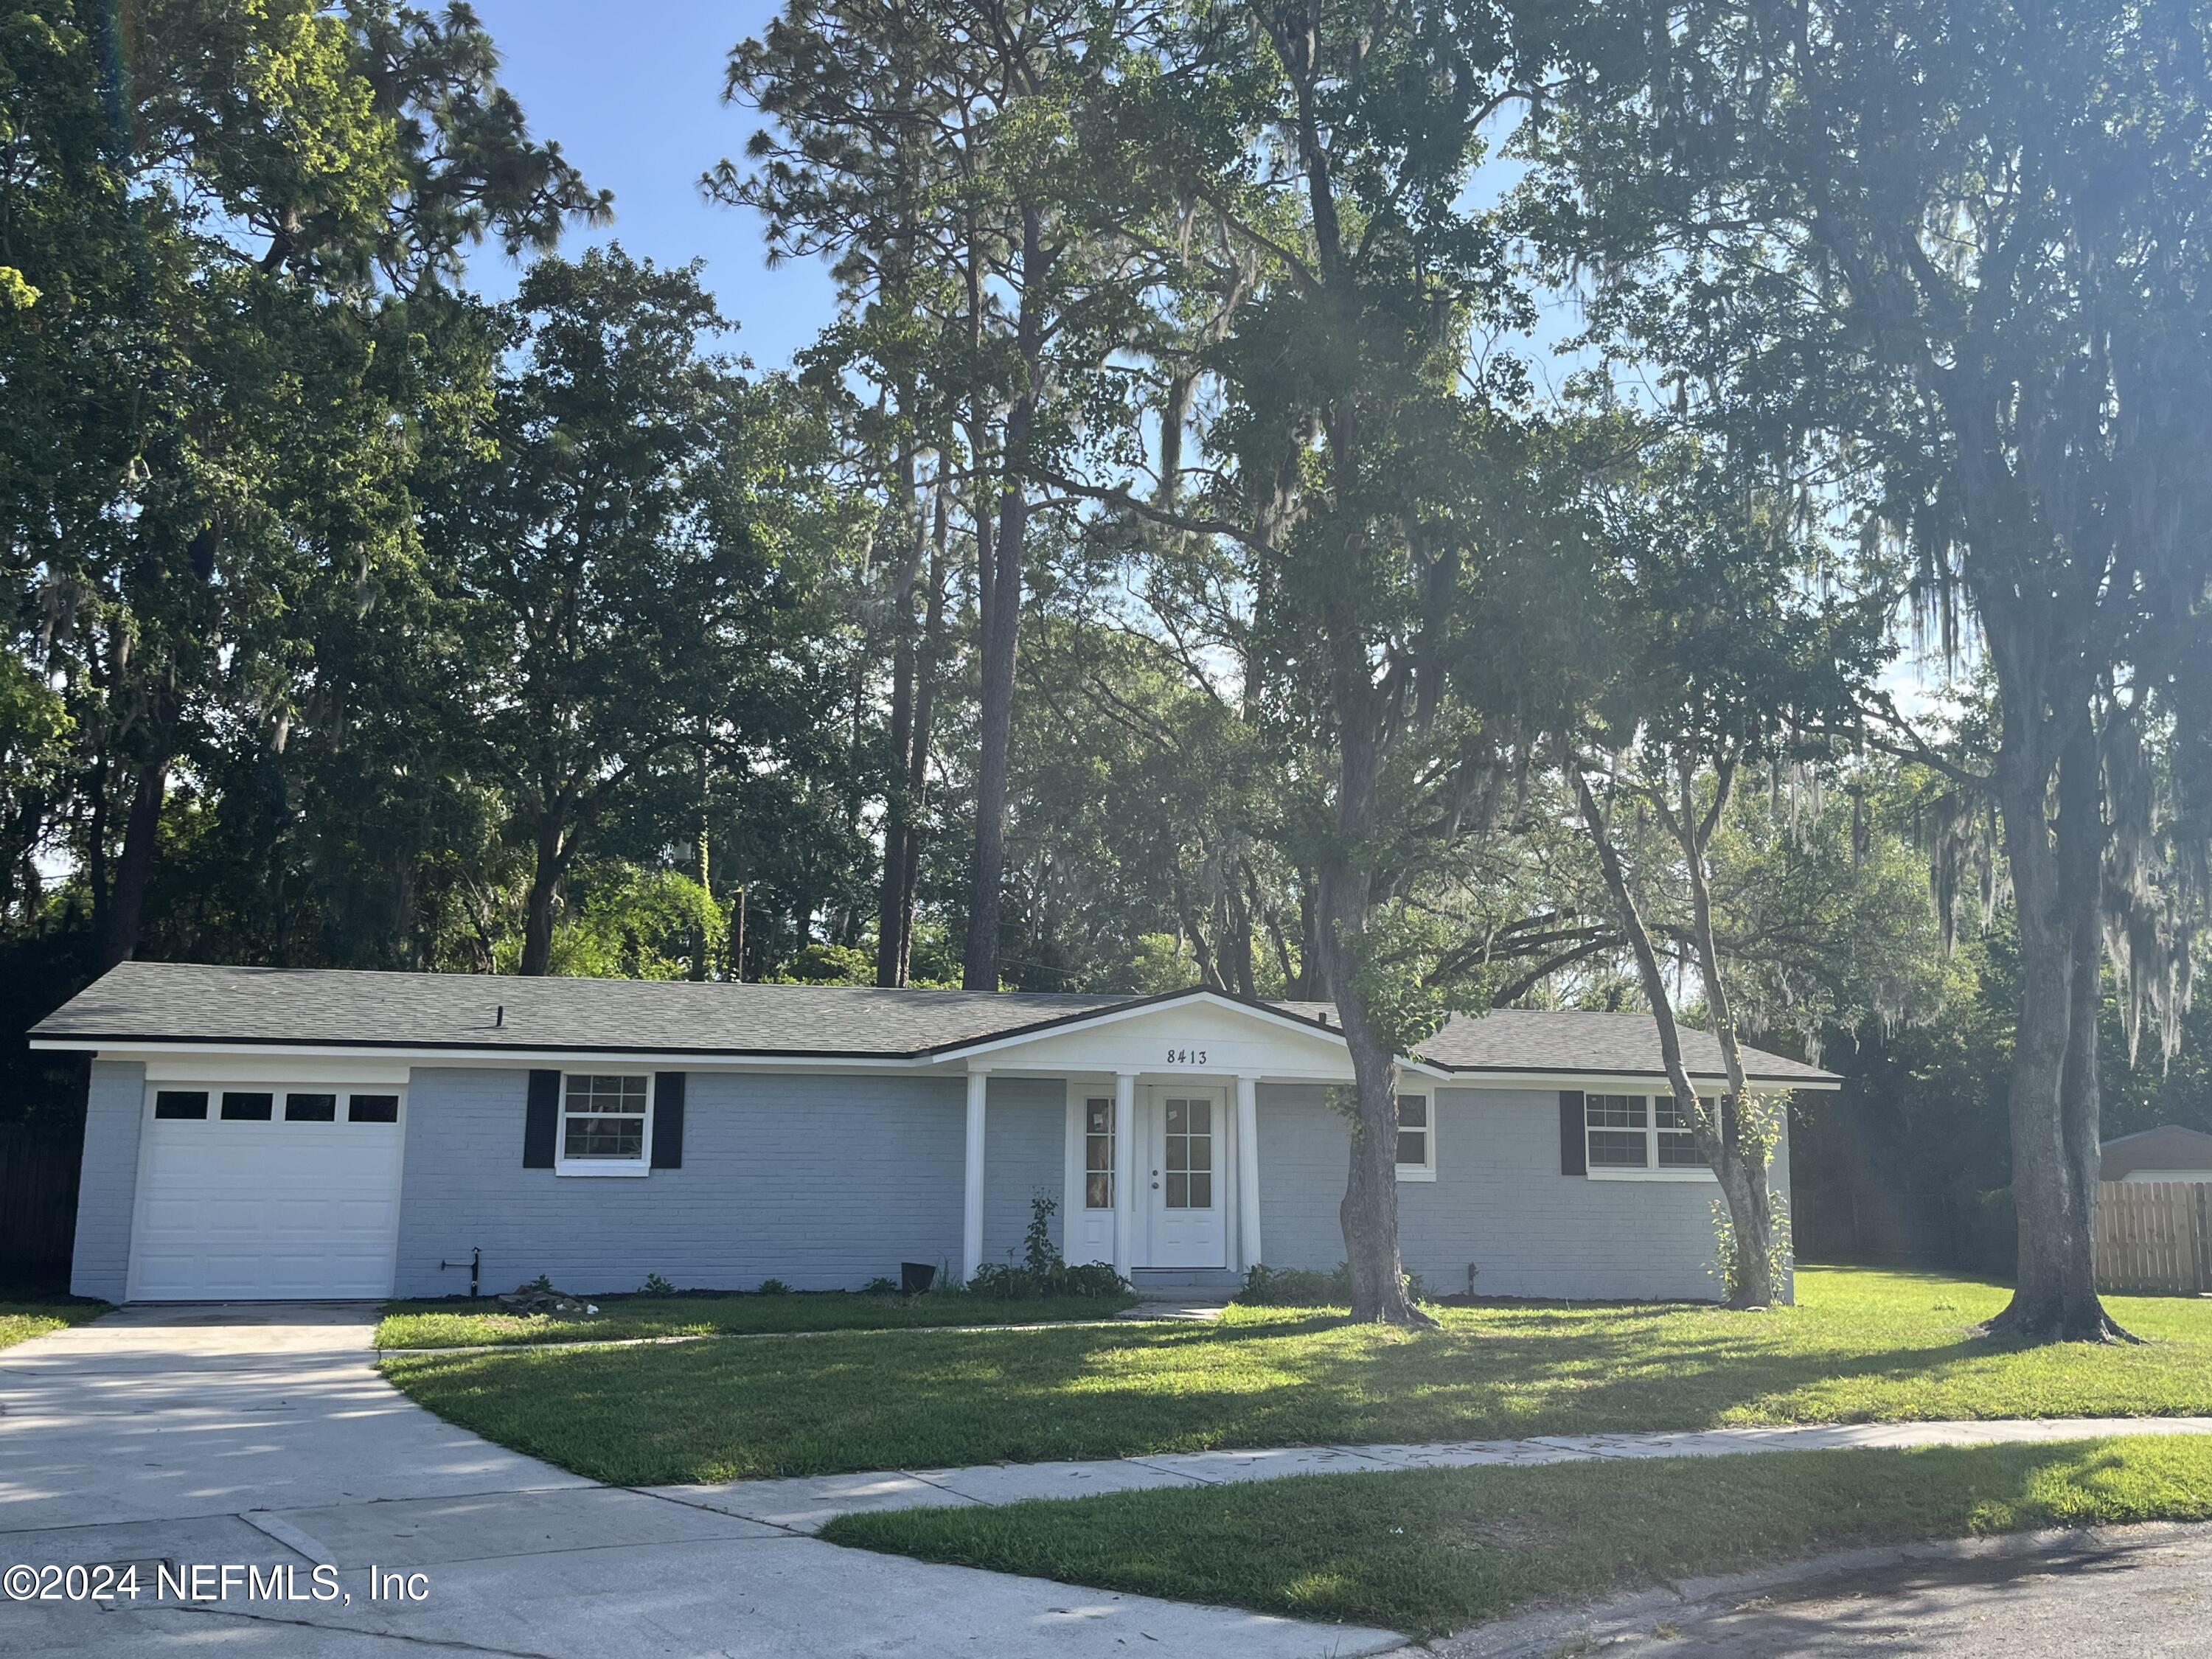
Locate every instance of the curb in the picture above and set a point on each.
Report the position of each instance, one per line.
(1623, 1619)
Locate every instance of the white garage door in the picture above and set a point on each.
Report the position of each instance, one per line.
(261, 1193)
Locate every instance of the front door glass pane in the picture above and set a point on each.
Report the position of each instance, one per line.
(1189, 1154)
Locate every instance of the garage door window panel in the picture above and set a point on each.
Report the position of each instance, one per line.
(373, 1109)
(179, 1103)
(605, 1123)
(311, 1109)
(248, 1106)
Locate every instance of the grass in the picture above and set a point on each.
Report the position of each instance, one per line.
(462, 1323)
(21, 1321)
(1861, 1346)
(1431, 1551)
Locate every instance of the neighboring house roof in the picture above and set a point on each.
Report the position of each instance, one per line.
(186, 1003)
(2169, 1146)
(1585, 1044)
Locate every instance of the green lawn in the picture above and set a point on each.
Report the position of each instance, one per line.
(21, 1321)
(1436, 1550)
(459, 1324)
(1861, 1346)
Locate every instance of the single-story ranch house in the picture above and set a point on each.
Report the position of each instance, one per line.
(271, 1133)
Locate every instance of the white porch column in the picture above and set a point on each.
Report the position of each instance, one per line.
(1248, 1170)
(1125, 1168)
(971, 1215)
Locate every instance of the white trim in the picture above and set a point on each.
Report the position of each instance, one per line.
(1125, 1171)
(1618, 1083)
(971, 1190)
(716, 1059)
(603, 1167)
(1248, 1170)
(1671, 1172)
(1426, 1169)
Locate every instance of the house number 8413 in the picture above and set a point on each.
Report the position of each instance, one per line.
(1186, 1056)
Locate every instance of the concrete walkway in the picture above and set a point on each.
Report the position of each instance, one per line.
(264, 1437)
(806, 1504)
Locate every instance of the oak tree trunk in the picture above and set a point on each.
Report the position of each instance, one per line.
(2052, 1097)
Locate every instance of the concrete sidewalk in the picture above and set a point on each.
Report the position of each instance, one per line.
(805, 1505)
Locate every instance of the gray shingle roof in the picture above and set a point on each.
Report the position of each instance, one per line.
(187, 1002)
(1592, 1045)
(166, 1001)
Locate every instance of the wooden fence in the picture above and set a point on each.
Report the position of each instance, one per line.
(38, 1201)
(2154, 1236)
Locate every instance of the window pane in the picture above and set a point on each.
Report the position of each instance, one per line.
(1178, 1191)
(1201, 1152)
(1201, 1117)
(1619, 1149)
(1672, 1113)
(180, 1102)
(1098, 1154)
(1178, 1116)
(603, 1137)
(374, 1109)
(1414, 1147)
(1678, 1151)
(587, 1093)
(311, 1109)
(1412, 1111)
(244, 1106)
(1202, 1192)
(1614, 1111)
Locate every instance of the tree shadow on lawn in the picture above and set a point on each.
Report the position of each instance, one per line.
(873, 1400)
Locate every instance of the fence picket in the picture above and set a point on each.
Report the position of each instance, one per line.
(2154, 1236)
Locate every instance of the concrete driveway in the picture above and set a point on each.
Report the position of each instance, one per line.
(262, 1437)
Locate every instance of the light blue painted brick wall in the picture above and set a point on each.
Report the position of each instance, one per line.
(1498, 1201)
(823, 1181)
(114, 1108)
(1024, 1132)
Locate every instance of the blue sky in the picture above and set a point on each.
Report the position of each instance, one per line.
(632, 95)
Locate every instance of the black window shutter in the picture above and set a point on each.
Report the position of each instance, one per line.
(1574, 1150)
(543, 1125)
(668, 1121)
(1728, 1119)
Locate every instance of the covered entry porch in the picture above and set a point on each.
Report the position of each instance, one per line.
(1164, 1138)
(1159, 1172)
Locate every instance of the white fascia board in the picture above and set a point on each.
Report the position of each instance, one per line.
(1618, 1082)
(569, 1058)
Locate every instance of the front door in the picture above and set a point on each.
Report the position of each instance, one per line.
(1189, 1225)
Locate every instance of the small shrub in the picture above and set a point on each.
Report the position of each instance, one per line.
(880, 1286)
(656, 1286)
(1039, 1253)
(772, 1287)
(540, 1283)
(1042, 1271)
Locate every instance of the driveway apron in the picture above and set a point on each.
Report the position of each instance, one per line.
(262, 1437)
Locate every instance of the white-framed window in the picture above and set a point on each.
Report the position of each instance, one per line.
(606, 1124)
(1416, 1137)
(1098, 1154)
(1641, 1137)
